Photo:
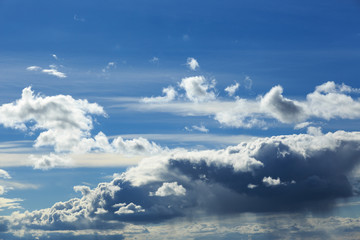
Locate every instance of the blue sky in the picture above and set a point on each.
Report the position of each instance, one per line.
(179, 119)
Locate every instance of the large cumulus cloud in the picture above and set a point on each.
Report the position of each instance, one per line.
(65, 124)
(289, 173)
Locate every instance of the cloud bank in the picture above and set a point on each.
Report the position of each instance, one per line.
(288, 173)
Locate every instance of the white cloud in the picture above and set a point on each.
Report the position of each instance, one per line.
(168, 189)
(251, 186)
(332, 87)
(328, 101)
(170, 94)
(65, 124)
(33, 68)
(54, 56)
(4, 174)
(192, 63)
(270, 182)
(54, 72)
(198, 89)
(283, 109)
(9, 203)
(135, 146)
(46, 162)
(200, 128)
(131, 208)
(232, 89)
(51, 71)
(316, 131)
(302, 125)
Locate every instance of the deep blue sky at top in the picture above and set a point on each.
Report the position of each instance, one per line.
(297, 44)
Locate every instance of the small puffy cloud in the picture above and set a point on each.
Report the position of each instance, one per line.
(54, 56)
(131, 208)
(169, 92)
(168, 189)
(192, 63)
(284, 109)
(52, 160)
(4, 174)
(198, 89)
(270, 182)
(135, 146)
(232, 89)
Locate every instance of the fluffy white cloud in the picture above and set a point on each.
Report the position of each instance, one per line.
(63, 118)
(169, 92)
(65, 125)
(4, 174)
(130, 208)
(232, 89)
(270, 182)
(168, 189)
(198, 89)
(192, 63)
(328, 101)
(52, 160)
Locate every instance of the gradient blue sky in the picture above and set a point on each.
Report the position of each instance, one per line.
(117, 54)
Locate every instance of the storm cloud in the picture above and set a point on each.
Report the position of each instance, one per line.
(292, 173)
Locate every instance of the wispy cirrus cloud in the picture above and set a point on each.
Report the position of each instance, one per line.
(50, 71)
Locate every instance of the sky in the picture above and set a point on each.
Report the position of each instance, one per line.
(179, 119)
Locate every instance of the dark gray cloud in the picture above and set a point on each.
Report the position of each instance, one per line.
(304, 173)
